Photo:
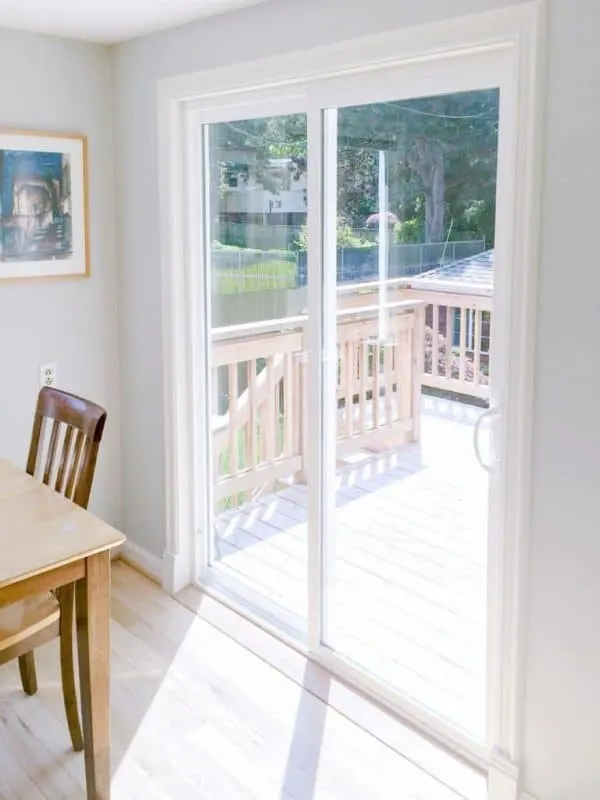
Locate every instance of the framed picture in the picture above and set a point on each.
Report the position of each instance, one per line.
(43, 205)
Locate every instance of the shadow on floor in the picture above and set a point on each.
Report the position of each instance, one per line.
(309, 728)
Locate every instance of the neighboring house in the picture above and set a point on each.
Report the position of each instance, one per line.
(246, 200)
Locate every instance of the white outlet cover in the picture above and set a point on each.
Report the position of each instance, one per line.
(48, 374)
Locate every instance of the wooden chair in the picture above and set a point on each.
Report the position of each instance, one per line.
(74, 436)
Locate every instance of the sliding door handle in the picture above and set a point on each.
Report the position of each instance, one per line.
(489, 412)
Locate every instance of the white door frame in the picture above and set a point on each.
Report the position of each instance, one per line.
(518, 30)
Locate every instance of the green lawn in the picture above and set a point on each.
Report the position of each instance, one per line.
(260, 277)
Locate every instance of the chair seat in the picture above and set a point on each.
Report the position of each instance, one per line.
(26, 617)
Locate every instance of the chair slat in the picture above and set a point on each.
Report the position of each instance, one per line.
(36, 434)
(74, 471)
(64, 461)
(51, 451)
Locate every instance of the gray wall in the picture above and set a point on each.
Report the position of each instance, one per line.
(561, 758)
(55, 84)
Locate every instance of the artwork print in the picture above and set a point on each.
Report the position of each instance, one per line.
(43, 225)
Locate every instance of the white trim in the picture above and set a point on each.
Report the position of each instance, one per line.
(471, 33)
(527, 796)
(199, 372)
(140, 557)
(503, 778)
(422, 718)
(518, 242)
(178, 382)
(314, 373)
(518, 33)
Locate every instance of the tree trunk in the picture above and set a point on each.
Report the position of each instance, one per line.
(428, 163)
(434, 220)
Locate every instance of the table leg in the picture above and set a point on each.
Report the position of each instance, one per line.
(93, 642)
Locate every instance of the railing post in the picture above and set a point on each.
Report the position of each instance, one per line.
(301, 410)
(417, 360)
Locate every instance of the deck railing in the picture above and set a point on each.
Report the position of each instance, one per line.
(456, 337)
(457, 341)
(261, 426)
(436, 339)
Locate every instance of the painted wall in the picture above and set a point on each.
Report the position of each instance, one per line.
(561, 754)
(55, 84)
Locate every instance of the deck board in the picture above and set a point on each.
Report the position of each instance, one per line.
(408, 563)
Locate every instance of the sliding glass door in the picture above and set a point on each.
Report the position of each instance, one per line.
(256, 206)
(348, 252)
(410, 207)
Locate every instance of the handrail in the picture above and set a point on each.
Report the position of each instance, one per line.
(260, 437)
(272, 325)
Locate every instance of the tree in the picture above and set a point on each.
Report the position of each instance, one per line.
(441, 155)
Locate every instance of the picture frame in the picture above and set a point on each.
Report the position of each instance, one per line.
(44, 229)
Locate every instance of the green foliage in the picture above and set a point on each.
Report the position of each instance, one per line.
(440, 154)
(345, 235)
(409, 232)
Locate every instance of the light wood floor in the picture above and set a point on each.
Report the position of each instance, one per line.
(197, 714)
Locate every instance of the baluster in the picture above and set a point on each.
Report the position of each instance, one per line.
(252, 413)
(289, 422)
(477, 346)
(449, 339)
(364, 382)
(406, 360)
(396, 376)
(301, 368)
(462, 356)
(233, 420)
(389, 381)
(416, 369)
(270, 421)
(376, 385)
(349, 387)
(435, 321)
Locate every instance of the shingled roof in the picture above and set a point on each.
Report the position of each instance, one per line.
(474, 274)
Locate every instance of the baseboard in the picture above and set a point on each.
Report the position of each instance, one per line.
(527, 796)
(176, 572)
(503, 777)
(142, 560)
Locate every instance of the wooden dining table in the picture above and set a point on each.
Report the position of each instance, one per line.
(46, 541)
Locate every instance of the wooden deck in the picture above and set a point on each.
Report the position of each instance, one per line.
(407, 564)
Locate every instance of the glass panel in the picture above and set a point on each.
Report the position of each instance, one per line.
(257, 207)
(405, 592)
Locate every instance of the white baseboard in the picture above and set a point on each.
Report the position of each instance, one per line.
(527, 796)
(147, 562)
(503, 777)
(176, 574)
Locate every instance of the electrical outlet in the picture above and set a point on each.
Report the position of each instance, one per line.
(48, 375)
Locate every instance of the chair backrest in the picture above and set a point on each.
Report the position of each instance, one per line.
(66, 459)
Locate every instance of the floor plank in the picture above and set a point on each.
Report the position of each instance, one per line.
(195, 714)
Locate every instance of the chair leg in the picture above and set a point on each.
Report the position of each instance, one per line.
(27, 670)
(66, 596)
